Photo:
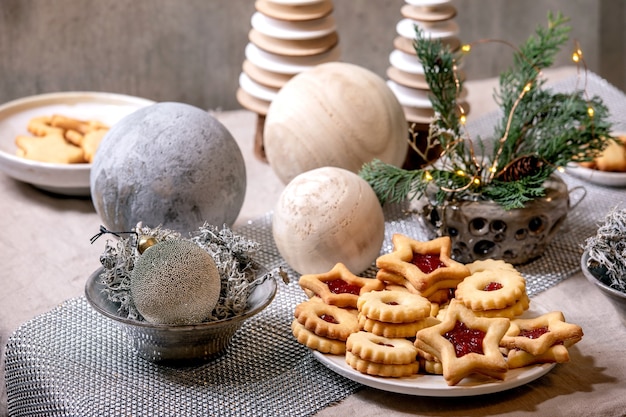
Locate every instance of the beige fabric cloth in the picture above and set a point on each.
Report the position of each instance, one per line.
(45, 256)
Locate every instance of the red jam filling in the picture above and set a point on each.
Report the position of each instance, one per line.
(492, 286)
(328, 318)
(427, 263)
(339, 286)
(392, 303)
(384, 344)
(534, 333)
(465, 340)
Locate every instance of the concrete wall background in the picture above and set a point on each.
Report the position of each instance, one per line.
(192, 50)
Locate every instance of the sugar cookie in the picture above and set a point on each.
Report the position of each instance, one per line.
(381, 369)
(465, 344)
(379, 349)
(339, 286)
(537, 335)
(315, 342)
(393, 306)
(426, 265)
(326, 320)
(491, 289)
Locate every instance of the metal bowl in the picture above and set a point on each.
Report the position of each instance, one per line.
(617, 298)
(179, 343)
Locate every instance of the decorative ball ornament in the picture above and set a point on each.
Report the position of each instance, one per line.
(175, 282)
(328, 215)
(169, 164)
(335, 114)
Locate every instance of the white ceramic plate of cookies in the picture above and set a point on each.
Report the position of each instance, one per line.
(434, 385)
(58, 178)
(595, 176)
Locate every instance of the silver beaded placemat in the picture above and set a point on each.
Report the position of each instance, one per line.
(73, 362)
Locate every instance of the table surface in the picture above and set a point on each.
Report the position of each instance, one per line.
(46, 257)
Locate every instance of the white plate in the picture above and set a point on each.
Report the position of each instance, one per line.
(610, 179)
(66, 179)
(435, 385)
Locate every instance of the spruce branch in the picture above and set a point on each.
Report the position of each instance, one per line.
(539, 130)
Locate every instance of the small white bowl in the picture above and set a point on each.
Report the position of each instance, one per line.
(66, 179)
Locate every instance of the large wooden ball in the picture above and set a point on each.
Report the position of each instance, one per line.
(168, 164)
(328, 215)
(334, 114)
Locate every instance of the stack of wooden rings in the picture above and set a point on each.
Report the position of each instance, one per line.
(406, 74)
(287, 37)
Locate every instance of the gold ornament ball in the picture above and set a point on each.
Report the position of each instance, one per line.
(334, 114)
(328, 215)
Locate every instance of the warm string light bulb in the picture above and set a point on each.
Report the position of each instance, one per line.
(590, 111)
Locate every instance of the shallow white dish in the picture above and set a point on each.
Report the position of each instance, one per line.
(66, 179)
(435, 385)
(610, 179)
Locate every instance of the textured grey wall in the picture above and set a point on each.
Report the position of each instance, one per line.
(192, 50)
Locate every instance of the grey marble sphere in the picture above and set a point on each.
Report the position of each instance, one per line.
(168, 164)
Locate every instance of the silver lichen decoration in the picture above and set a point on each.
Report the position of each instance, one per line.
(607, 249)
(233, 255)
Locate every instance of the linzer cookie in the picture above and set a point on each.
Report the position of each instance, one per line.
(427, 266)
(326, 320)
(338, 286)
(538, 335)
(465, 344)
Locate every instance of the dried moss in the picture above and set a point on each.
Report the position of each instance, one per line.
(233, 255)
(607, 249)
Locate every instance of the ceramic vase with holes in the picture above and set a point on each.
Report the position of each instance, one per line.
(484, 230)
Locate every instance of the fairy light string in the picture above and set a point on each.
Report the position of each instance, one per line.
(493, 169)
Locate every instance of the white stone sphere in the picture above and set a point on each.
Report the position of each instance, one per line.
(334, 114)
(168, 164)
(328, 215)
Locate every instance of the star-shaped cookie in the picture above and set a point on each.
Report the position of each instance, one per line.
(465, 344)
(339, 286)
(426, 265)
(537, 335)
